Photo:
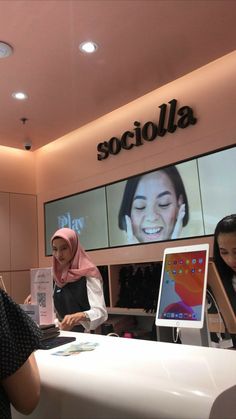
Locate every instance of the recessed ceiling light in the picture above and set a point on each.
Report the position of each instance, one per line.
(88, 47)
(5, 50)
(19, 95)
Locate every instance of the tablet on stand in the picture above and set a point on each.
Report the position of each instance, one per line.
(182, 295)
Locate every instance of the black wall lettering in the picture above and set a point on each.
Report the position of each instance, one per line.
(114, 145)
(103, 148)
(124, 139)
(187, 117)
(161, 130)
(149, 131)
(138, 135)
(171, 126)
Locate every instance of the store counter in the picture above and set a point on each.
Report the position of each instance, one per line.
(129, 378)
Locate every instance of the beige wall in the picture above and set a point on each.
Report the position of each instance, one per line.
(17, 171)
(70, 164)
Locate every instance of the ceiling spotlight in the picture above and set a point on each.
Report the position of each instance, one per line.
(5, 50)
(88, 47)
(19, 95)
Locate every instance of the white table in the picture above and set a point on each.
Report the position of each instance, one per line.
(129, 378)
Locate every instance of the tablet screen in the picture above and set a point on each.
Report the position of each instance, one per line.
(181, 300)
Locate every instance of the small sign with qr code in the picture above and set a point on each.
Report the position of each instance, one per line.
(41, 299)
(42, 293)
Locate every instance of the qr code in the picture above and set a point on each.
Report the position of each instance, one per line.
(41, 299)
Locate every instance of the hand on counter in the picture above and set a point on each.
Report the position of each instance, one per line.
(28, 299)
(71, 320)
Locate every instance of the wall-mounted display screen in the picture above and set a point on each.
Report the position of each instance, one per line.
(85, 213)
(217, 184)
(160, 205)
(183, 200)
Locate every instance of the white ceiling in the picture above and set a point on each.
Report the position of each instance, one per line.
(143, 44)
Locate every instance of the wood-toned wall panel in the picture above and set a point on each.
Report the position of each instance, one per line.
(6, 277)
(5, 232)
(20, 286)
(23, 230)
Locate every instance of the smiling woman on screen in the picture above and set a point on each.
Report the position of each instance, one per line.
(154, 206)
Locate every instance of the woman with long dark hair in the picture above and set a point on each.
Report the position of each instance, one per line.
(225, 255)
(224, 252)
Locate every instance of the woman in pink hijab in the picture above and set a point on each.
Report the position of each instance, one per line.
(78, 292)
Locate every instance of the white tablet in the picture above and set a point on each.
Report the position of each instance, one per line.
(182, 295)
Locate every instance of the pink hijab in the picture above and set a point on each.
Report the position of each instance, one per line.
(80, 265)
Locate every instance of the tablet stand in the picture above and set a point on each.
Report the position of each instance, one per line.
(187, 336)
(197, 337)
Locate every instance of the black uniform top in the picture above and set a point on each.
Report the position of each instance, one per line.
(71, 298)
(19, 337)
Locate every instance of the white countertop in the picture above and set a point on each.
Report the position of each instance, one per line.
(129, 378)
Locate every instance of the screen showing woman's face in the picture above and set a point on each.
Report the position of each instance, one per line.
(154, 208)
